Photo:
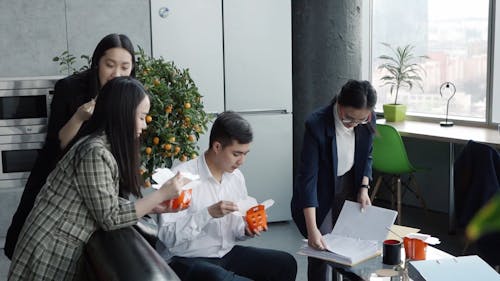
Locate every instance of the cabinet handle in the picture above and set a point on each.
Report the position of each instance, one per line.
(163, 12)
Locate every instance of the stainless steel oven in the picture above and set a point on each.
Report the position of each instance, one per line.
(24, 111)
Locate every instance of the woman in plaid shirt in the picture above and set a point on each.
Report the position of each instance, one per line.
(86, 190)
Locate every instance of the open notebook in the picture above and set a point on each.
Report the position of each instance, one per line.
(357, 236)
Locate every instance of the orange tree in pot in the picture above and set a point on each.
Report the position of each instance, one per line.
(401, 70)
(176, 119)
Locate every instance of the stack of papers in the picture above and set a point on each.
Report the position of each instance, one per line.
(344, 250)
(356, 236)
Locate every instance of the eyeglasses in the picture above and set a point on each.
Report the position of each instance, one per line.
(349, 121)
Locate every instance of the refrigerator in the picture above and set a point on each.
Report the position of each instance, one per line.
(239, 55)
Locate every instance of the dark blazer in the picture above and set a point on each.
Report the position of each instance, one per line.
(69, 94)
(476, 179)
(315, 181)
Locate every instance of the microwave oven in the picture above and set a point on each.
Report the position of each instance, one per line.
(24, 111)
(25, 101)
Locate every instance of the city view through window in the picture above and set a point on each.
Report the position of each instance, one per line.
(454, 37)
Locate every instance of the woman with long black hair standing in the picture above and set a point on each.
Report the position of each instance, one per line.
(72, 105)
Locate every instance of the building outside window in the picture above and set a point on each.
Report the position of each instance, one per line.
(454, 35)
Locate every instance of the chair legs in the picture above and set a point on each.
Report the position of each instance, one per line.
(375, 189)
(397, 192)
(416, 192)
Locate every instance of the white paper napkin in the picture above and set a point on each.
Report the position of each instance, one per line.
(249, 202)
(162, 175)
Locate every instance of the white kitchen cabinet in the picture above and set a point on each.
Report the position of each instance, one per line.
(189, 32)
(239, 55)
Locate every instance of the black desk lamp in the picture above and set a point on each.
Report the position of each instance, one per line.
(447, 87)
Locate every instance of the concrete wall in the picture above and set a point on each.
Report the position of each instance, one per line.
(33, 32)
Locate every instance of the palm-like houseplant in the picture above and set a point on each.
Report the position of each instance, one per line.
(402, 70)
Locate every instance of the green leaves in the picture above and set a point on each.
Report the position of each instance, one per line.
(177, 113)
(176, 118)
(486, 219)
(401, 69)
(66, 62)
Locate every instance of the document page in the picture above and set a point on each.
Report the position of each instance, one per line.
(371, 224)
(356, 236)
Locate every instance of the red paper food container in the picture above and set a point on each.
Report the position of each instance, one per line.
(256, 218)
(180, 202)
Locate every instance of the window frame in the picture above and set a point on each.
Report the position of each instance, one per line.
(492, 117)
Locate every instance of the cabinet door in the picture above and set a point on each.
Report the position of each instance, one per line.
(31, 34)
(90, 20)
(268, 167)
(189, 32)
(257, 54)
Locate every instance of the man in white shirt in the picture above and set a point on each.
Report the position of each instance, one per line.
(201, 241)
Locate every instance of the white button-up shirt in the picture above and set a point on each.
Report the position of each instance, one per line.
(194, 232)
(345, 144)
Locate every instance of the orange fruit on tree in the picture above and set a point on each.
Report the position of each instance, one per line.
(183, 158)
(171, 139)
(149, 118)
(191, 138)
(156, 82)
(177, 149)
(168, 109)
(187, 105)
(156, 140)
(148, 150)
(194, 155)
(167, 146)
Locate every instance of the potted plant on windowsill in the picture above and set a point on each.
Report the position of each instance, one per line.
(401, 70)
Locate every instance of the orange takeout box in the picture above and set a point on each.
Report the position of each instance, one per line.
(256, 218)
(181, 202)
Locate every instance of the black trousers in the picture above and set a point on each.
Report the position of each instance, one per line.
(240, 264)
(317, 269)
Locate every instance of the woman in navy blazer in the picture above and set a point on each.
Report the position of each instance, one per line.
(335, 165)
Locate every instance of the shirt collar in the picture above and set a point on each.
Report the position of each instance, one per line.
(338, 123)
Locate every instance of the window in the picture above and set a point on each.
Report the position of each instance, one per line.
(454, 35)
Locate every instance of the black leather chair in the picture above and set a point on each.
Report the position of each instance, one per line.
(123, 254)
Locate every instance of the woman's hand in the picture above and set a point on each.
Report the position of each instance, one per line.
(364, 198)
(173, 187)
(84, 112)
(163, 208)
(315, 239)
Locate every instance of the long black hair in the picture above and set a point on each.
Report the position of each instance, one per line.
(109, 41)
(115, 116)
(357, 94)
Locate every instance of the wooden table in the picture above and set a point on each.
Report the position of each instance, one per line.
(450, 135)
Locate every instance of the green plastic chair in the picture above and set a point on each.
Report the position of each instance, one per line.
(390, 160)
